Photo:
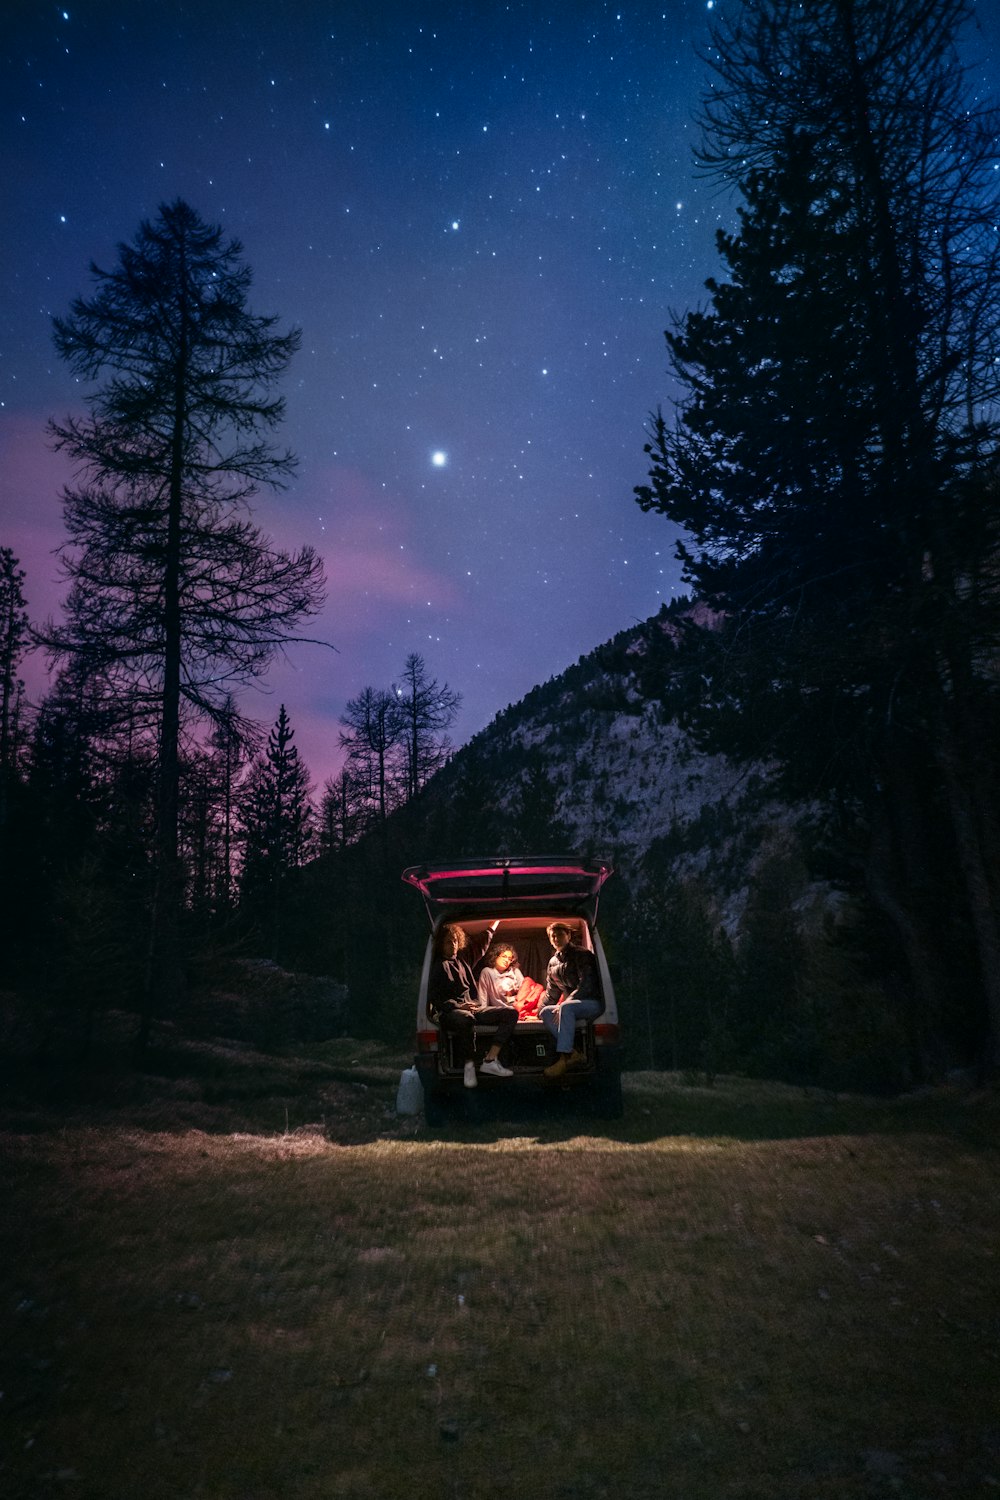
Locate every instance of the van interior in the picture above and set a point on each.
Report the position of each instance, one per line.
(527, 937)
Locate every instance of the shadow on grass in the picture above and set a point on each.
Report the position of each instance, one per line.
(660, 1105)
(345, 1090)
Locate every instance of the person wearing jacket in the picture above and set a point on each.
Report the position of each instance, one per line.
(452, 998)
(572, 994)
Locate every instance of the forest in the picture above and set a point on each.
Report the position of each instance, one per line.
(832, 465)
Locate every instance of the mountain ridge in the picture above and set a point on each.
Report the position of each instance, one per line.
(623, 776)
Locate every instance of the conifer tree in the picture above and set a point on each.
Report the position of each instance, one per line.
(372, 734)
(175, 593)
(427, 711)
(535, 825)
(832, 465)
(277, 820)
(342, 812)
(233, 740)
(13, 643)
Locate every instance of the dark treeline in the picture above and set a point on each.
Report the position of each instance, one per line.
(268, 869)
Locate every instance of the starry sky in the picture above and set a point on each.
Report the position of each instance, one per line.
(480, 214)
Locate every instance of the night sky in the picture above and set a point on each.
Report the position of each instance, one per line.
(481, 215)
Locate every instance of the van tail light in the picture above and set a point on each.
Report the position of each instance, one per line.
(605, 1035)
(427, 1041)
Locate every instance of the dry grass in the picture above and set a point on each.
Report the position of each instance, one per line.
(736, 1292)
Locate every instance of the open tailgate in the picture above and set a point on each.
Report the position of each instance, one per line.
(556, 883)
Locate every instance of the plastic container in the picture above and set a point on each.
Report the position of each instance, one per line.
(410, 1094)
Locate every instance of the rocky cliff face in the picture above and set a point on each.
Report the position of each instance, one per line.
(617, 773)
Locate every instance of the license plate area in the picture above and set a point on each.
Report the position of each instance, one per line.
(530, 1050)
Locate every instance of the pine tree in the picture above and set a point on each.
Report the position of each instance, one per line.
(13, 643)
(277, 820)
(832, 461)
(535, 825)
(373, 731)
(342, 813)
(175, 593)
(233, 740)
(427, 712)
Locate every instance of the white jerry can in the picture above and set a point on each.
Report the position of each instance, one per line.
(410, 1094)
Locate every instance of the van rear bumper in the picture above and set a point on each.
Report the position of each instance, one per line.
(529, 1053)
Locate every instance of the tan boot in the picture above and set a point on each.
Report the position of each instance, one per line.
(576, 1059)
(555, 1070)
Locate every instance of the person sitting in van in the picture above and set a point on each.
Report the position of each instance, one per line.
(452, 997)
(571, 994)
(500, 978)
(502, 983)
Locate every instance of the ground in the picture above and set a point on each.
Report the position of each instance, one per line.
(243, 1276)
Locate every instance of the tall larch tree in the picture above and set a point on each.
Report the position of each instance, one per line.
(372, 733)
(427, 711)
(175, 594)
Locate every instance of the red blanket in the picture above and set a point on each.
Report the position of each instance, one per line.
(528, 998)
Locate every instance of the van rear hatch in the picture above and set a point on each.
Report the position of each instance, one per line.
(494, 887)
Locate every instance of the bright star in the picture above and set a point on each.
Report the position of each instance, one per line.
(439, 459)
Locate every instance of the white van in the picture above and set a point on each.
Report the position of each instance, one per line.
(523, 896)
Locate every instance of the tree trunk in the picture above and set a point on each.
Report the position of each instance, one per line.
(161, 982)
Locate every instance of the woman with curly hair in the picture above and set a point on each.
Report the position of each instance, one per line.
(502, 983)
(500, 978)
(453, 1000)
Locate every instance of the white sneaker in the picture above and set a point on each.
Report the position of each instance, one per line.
(496, 1069)
(469, 1075)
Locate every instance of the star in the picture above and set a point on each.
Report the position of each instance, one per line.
(439, 458)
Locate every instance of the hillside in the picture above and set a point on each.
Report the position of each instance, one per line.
(609, 768)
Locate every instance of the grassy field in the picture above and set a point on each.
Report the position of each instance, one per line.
(243, 1278)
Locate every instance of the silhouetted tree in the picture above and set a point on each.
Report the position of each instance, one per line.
(469, 823)
(201, 837)
(771, 961)
(832, 465)
(680, 969)
(342, 812)
(233, 739)
(277, 821)
(373, 730)
(427, 712)
(175, 593)
(535, 826)
(13, 644)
